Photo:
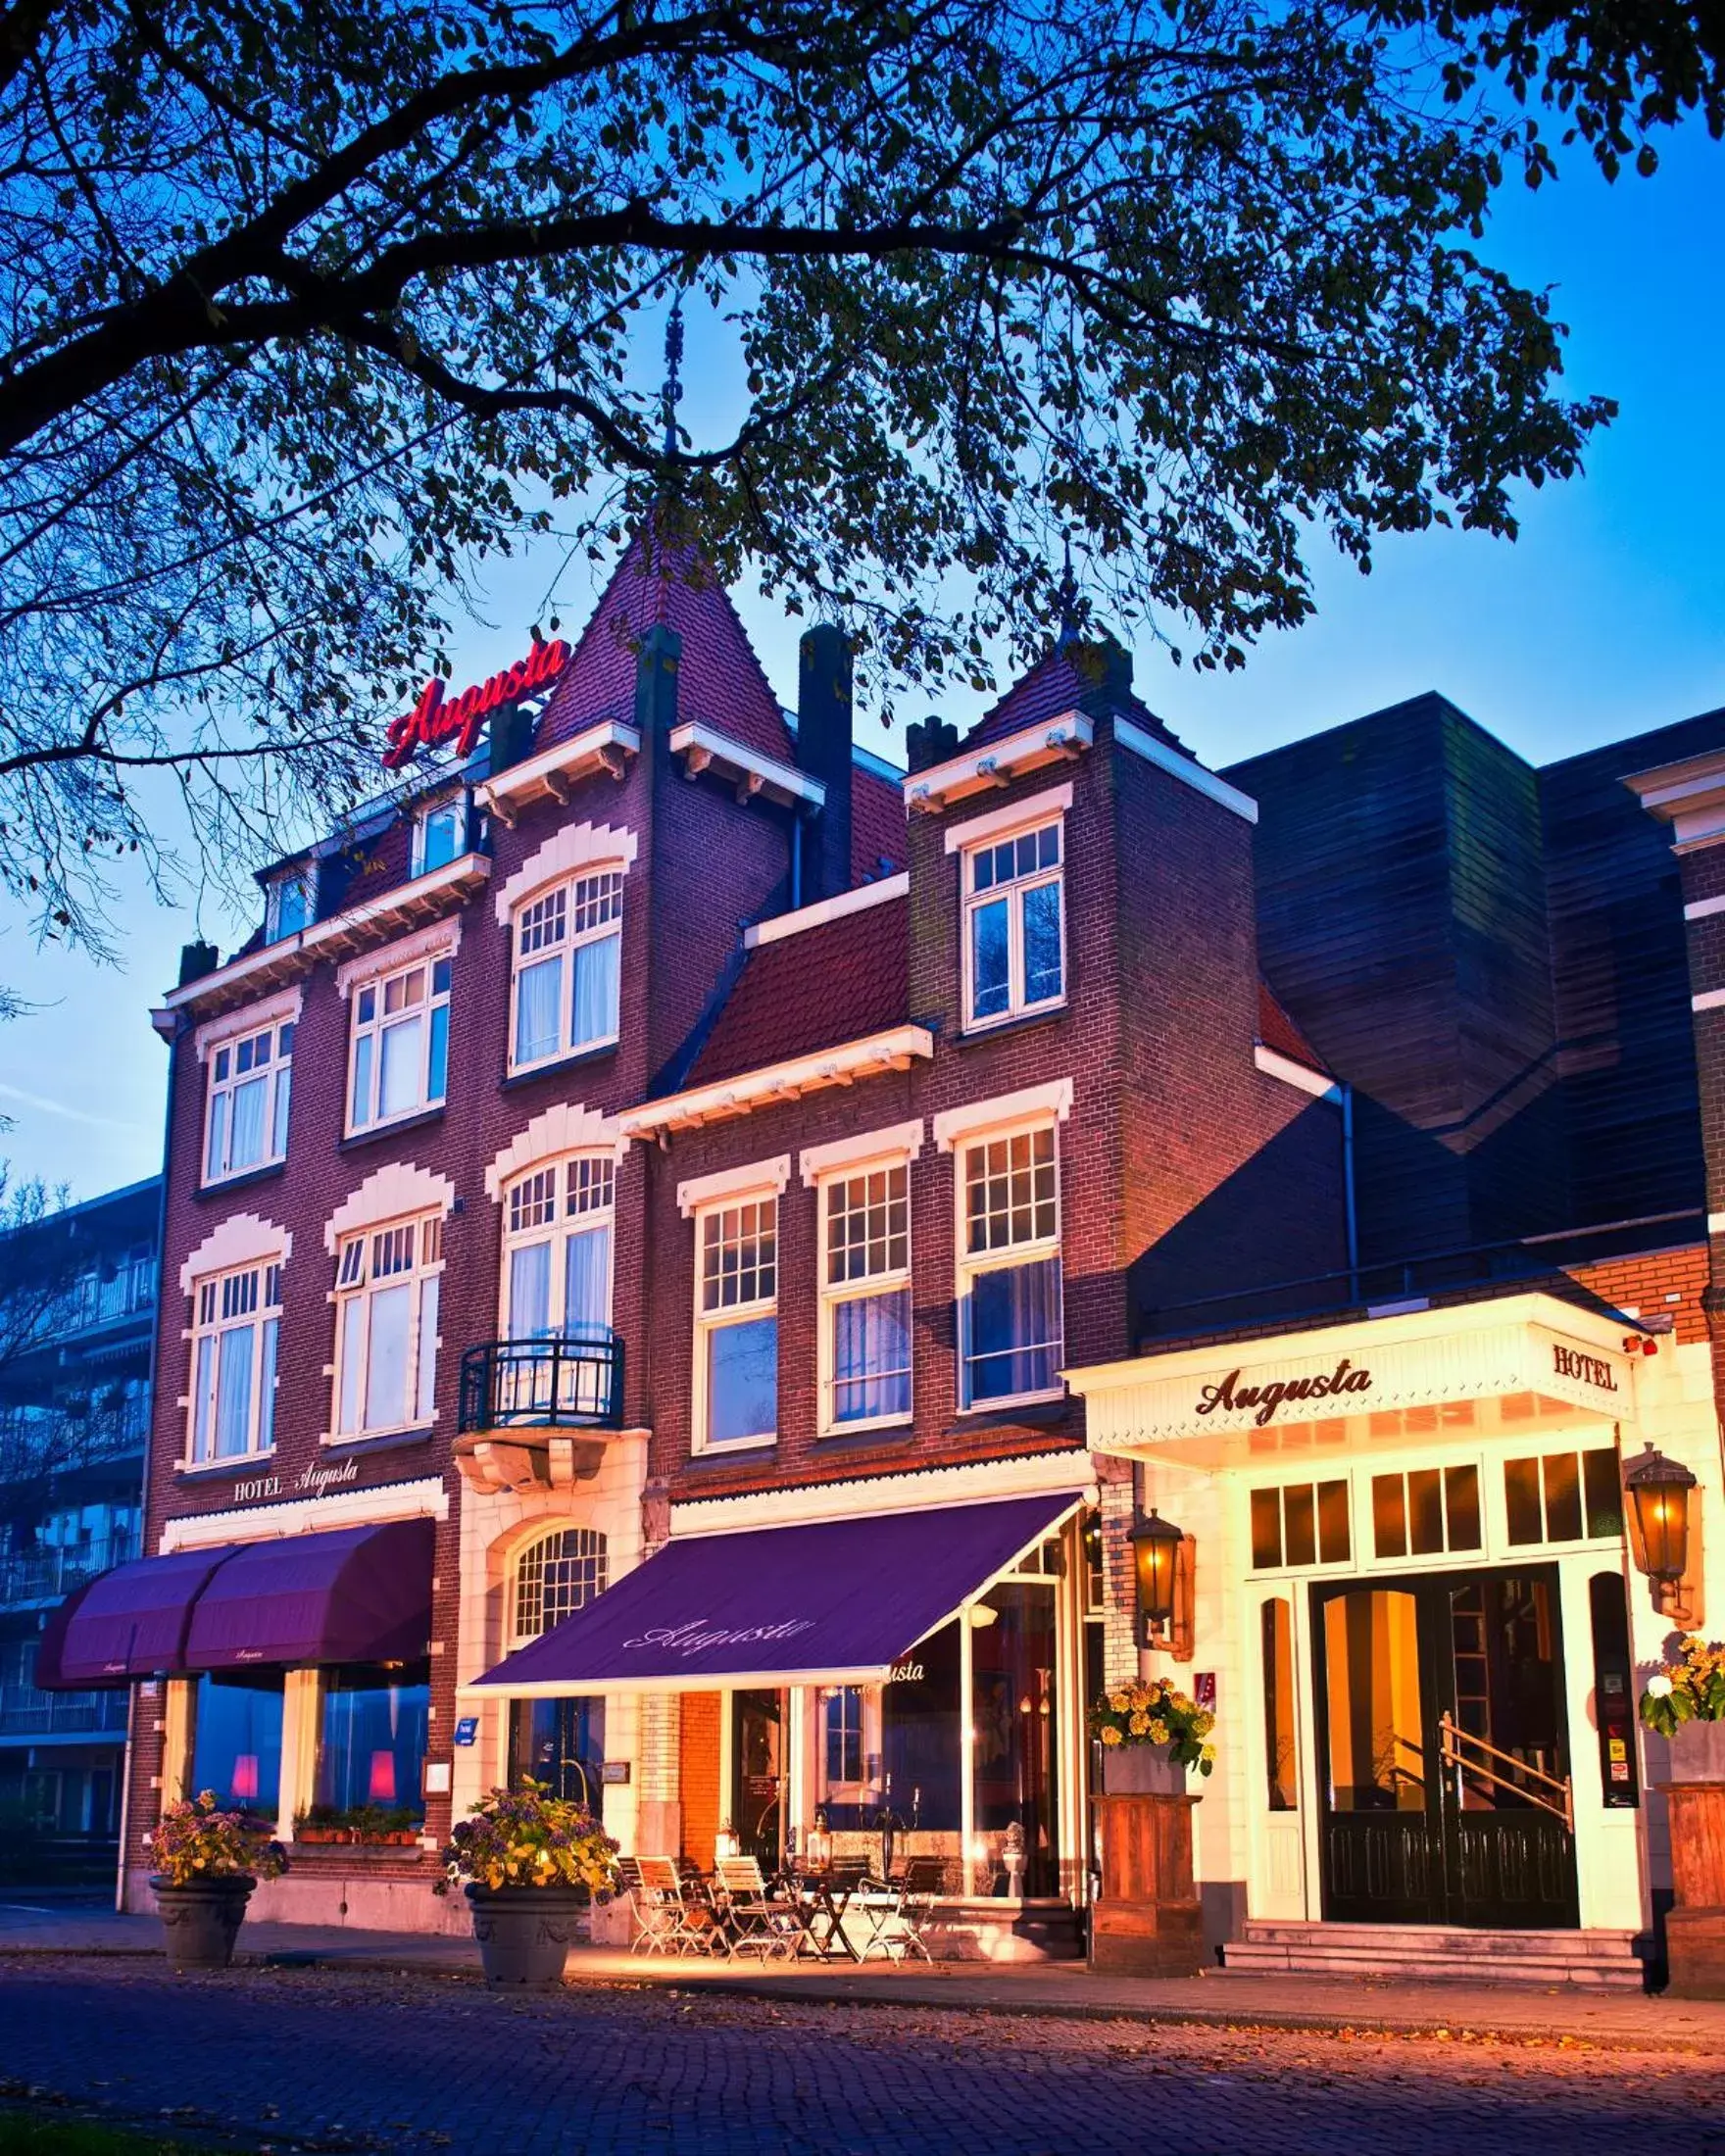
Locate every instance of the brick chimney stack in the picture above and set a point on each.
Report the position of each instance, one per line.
(823, 750)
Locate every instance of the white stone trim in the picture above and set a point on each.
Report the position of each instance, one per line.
(279, 960)
(703, 744)
(1276, 1065)
(391, 1193)
(606, 747)
(272, 1010)
(575, 846)
(1056, 740)
(1142, 743)
(455, 879)
(828, 909)
(777, 1082)
(1059, 1473)
(242, 1238)
(1716, 1223)
(1054, 801)
(898, 1142)
(1051, 1102)
(1709, 998)
(566, 1126)
(426, 1499)
(757, 1175)
(1700, 909)
(440, 941)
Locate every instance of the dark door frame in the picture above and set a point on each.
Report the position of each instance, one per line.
(1460, 1866)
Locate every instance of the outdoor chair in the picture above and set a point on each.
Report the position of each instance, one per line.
(758, 1921)
(900, 1921)
(681, 1920)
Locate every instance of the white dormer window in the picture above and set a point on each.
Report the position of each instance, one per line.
(1014, 926)
(440, 834)
(245, 1115)
(291, 903)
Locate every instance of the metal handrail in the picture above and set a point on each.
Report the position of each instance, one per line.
(572, 1380)
(1453, 1735)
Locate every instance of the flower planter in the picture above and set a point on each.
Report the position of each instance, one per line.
(525, 1933)
(1695, 1924)
(200, 1923)
(1141, 1770)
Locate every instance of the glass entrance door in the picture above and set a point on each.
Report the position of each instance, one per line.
(1443, 1791)
(758, 1752)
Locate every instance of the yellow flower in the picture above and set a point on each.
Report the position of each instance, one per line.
(1139, 1723)
(1158, 1733)
(1111, 1735)
(1208, 1755)
(1117, 1700)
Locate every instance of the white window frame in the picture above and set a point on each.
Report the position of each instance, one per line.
(1013, 890)
(566, 1220)
(597, 1555)
(571, 939)
(723, 1315)
(972, 1265)
(239, 1298)
(224, 1082)
(357, 1286)
(835, 1294)
(304, 880)
(370, 1031)
(462, 805)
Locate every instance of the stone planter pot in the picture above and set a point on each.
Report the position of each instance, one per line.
(1698, 1753)
(199, 1924)
(525, 1933)
(1141, 1770)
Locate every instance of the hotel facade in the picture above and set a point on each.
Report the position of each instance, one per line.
(688, 1251)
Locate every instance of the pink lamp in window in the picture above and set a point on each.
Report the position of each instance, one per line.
(383, 1787)
(245, 1777)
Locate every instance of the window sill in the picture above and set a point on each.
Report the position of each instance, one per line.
(199, 1470)
(572, 1061)
(739, 1449)
(1038, 1412)
(993, 1029)
(374, 1133)
(244, 1179)
(384, 1441)
(884, 1431)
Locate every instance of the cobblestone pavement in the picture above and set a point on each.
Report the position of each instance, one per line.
(284, 2059)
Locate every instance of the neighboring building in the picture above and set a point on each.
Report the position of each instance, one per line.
(855, 1194)
(78, 1313)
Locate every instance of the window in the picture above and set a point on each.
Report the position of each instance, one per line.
(386, 1284)
(1564, 1498)
(1009, 1305)
(1276, 1652)
(235, 1317)
(555, 1577)
(866, 1297)
(1426, 1512)
(373, 1730)
(400, 1057)
(440, 834)
(1015, 937)
(290, 903)
(246, 1115)
(557, 1250)
(736, 1324)
(843, 1732)
(237, 1739)
(1299, 1524)
(568, 944)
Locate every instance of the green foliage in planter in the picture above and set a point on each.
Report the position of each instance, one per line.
(528, 1838)
(1690, 1688)
(1156, 1713)
(359, 1822)
(197, 1841)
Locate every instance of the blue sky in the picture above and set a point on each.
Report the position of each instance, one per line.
(1605, 619)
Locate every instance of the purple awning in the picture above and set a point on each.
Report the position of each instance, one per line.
(835, 1601)
(130, 1622)
(350, 1594)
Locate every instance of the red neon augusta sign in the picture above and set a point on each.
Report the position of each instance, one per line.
(432, 720)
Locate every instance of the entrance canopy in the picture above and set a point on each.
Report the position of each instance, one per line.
(1519, 1366)
(831, 1601)
(351, 1595)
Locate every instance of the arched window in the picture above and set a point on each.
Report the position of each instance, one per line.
(568, 947)
(555, 1575)
(557, 1250)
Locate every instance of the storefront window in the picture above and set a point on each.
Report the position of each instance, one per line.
(920, 1754)
(237, 1741)
(561, 1743)
(1012, 1713)
(1280, 1768)
(372, 1738)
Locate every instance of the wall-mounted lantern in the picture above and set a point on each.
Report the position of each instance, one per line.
(1665, 1525)
(1156, 1565)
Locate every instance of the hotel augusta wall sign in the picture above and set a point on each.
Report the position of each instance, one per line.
(1472, 1361)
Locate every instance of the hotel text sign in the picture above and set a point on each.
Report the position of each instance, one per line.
(315, 1480)
(1583, 1369)
(433, 719)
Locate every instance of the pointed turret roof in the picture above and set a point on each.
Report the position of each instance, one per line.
(1068, 675)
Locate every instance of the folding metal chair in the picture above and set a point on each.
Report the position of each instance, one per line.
(757, 1920)
(679, 1923)
(900, 1924)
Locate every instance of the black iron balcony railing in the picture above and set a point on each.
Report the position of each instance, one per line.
(45, 1575)
(27, 1712)
(571, 1382)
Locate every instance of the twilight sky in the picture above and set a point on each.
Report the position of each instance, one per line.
(1604, 619)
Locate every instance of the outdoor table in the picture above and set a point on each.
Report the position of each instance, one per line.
(823, 1897)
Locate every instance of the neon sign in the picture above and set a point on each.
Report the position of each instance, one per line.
(432, 720)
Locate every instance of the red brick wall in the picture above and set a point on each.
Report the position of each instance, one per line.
(701, 1798)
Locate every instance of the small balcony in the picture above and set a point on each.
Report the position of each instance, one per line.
(49, 1575)
(532, 1410)
(27, 1712)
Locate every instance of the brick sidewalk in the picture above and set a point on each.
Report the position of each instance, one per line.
(1063, 1990)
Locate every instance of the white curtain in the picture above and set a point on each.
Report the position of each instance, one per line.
(402, 1066)
(249, 1103)
(234, 1393)
(597, 975)
(201, 1422)
(428, 1372)
(538, 992)
(391, 1314)
(267, 1388)
(586, 1300)
(872, 1356)
(529, 1292)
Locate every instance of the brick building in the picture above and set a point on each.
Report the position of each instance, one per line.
(660, 1131)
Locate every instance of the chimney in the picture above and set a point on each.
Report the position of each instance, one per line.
(823, 750)
(195, 960)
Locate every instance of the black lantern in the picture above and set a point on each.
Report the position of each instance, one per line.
(1155, 1549)
(1657, 1489)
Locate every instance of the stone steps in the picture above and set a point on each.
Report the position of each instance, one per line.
(1593, 1961)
